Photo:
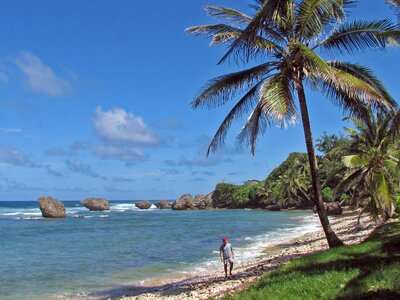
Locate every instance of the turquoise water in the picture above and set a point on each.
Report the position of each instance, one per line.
(90, 254)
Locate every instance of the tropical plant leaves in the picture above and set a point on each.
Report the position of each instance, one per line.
(360, 35)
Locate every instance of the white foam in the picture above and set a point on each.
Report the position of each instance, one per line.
(11, 214)
(121, 207)
(103, 216)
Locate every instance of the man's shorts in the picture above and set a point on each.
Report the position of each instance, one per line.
(228, 261)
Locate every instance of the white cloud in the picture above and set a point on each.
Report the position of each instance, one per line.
(118, 126)
(15, 157)
(40, 78)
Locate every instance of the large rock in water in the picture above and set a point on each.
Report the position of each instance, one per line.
(143, 204)
(96, 204)
(51, 208)
(185, 202)
(163, 204)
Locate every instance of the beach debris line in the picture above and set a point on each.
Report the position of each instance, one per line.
(51, 208)
(96, 204)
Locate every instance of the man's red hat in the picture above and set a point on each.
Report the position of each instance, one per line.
(225, 239)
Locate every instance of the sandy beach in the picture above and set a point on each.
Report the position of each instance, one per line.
(214, 284)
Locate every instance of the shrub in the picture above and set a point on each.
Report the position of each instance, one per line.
(327, 194)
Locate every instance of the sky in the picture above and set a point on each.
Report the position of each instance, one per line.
(95, 101)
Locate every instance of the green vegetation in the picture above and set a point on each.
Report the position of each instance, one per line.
(373, 162)
(228, 195)
(370, 270)
(288, 38)
(347, 165)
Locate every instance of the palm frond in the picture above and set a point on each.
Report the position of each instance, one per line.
(313, 63)
(211, 30)
(396, 6)
(264, 15)
(276, 96)
(383, 191)
(366, 75)
(351, 92)
(313, 15)
(260, 45)
(361, 35)
(240, 108)
(356, 161)
(348, 181)
(229, 15)
(255, 125)
(219, 90)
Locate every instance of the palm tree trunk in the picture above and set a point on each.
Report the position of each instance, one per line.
(333, 240)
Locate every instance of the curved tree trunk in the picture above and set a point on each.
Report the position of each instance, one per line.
(331, 236)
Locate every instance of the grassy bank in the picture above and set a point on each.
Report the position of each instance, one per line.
(370, 270)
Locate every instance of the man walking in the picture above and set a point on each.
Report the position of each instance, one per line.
(227, 256)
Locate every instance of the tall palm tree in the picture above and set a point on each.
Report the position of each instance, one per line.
(285, 35)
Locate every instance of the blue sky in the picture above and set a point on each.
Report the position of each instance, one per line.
(71, 71)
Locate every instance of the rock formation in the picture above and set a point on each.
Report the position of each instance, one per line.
(163, 204)
(273, 207)
(51, 208)
(203, 201)
(143, 204)
(185, 202)
(96, 204)
(333, 209)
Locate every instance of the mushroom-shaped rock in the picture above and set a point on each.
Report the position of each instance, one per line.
(143, 204)
(185, 202)
(51, 208)
(96, 204)
(163, 204)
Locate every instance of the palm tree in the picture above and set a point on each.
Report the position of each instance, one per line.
(285, 35)
(374, 161)
(296, 180)
(332, 169)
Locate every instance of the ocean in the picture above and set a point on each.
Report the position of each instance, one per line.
(90, 255)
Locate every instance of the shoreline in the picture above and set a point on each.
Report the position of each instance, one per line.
(214, 284)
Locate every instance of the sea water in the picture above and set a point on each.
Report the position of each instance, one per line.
(96, 254)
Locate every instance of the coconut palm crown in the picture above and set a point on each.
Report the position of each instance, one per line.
(287, 36)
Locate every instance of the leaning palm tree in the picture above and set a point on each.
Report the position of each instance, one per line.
(285, 36)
